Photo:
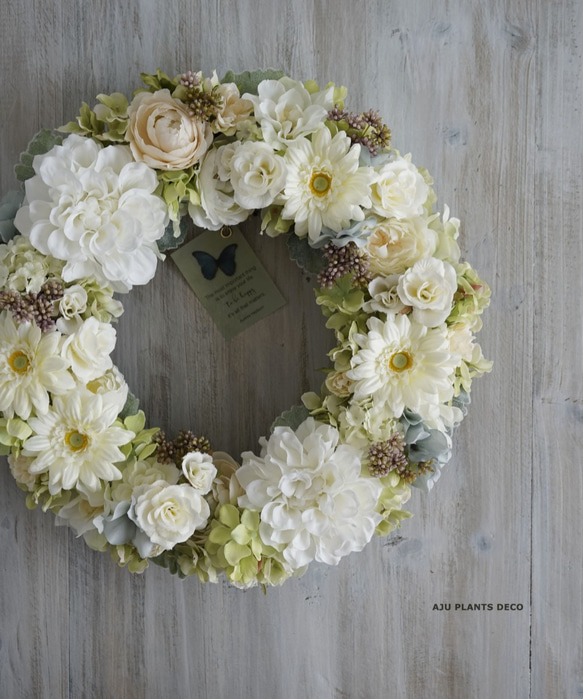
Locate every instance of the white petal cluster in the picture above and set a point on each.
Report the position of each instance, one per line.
(257, 174)
(314, 503)
(88, 349)
(24, 268)
(95, 208)
(199, 470)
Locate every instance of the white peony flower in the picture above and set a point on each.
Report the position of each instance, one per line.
(162, 134)
(257, 174)
(393, 246)
(403, 364)
(399, 189)
(168, 514)
(429, 287)
(384, 296)
(199, 471)
(325, 185)
(30, 368)
(217, 206)
(95, 208)
(286, 111)
(313, 501)
(88, 349)
(76, 442)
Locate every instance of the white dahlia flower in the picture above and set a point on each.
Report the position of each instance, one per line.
(403, 364)
(325, 186)
(314, 503)
(30, 368)
(95, 208)
(286, 111)
(76, 443)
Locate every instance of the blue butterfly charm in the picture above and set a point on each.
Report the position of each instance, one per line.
(225, 262)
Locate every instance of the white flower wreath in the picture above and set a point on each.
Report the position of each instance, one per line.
(100, 208)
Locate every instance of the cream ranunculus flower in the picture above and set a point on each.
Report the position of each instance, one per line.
(199, 471)
(162, 134)
(235, 111)
(399, 190)
(429, 287)
(258, 174)
(393, 246)
(88, 349)
(168, 514)
(226, 488)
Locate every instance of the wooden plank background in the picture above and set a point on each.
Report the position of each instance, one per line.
(488, 94)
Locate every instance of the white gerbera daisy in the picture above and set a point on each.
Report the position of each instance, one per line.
(403, 364)
(30, 367)
(325, 185)
(76, 442)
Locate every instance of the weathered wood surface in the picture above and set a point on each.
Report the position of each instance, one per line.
(488, 96)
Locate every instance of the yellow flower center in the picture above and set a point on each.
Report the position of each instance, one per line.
(400, 361)
(320, 183)
(76, 441)
(19, 362)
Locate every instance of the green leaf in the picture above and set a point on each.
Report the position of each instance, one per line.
(241, 535)
(136, 422)
(249, 80)
(41, 143)
(229, 516)
(18, 428)
(130, 407)
(234, 552)
(308, 258)
(169, 241)
(292, 418)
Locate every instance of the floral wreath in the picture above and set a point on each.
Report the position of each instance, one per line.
(104, 197)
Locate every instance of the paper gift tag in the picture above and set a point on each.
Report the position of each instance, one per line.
(228, 279)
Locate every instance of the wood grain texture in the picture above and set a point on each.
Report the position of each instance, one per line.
(488, 96)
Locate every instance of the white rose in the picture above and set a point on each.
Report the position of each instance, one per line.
(162, 134)
(217, 206)
(88, 349)
(339, 384)
(257, 174)
(394, 246)
(71, 305)
(234, 110)
(199, 470)
(384, 296)
(429, 287)
(461, 341)
(168, 514)
(111, 382)
(400, 189)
